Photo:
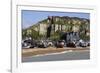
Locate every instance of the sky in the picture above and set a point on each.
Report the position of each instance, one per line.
(31, 17)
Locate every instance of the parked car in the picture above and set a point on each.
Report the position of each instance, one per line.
(50, 43)
(82, 43)
(71, 44)
(42, 44)
(28, 43)
(60, 44)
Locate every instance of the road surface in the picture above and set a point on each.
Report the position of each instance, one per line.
(74, 55)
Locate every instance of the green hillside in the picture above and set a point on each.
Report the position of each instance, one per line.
(59, 25)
